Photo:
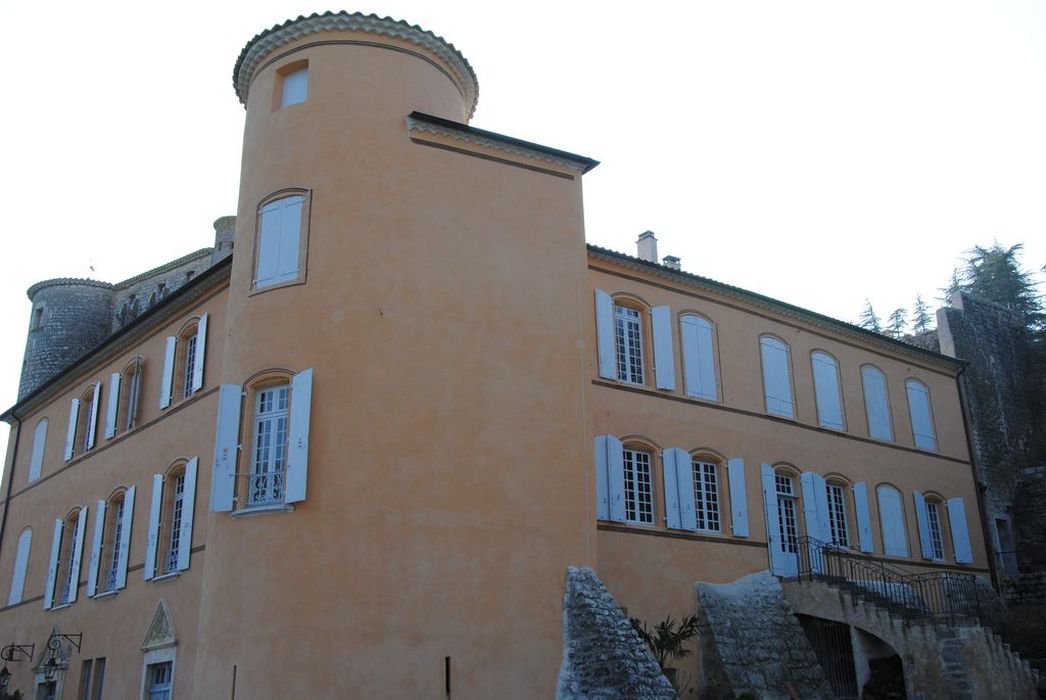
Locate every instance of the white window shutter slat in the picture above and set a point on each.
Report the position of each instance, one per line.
(924, 525)
(167, 380)
(113, 406)
(773, 533)
(605, 335)
(36, 462)
(298, 442)
(152, 544)
(52, 566)
(290, 239)
(70, 435)
(188, 508)
(826, 391)
(96, 549)
(664, 347)
(78, 551)
(876, 404)
(616, 482)
(671, 484)
(777, 382)
(201, 350)
(602, 478)
(25, 543)
(226, 445)
(735, 470)
(125, 538)
(92, 423)
(698, 357)
(685, 487)
(864, 518)
(960, 533)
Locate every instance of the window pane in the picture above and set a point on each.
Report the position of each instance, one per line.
(639, 499)
(295, 87)
(628, 340)
(876, 404)
(919, 409)
(777, 382)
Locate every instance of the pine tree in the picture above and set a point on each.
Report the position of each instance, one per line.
(920, 316)
(896, 323)
(996, 275)
(868, 320)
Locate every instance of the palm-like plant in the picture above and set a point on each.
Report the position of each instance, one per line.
(667, 638)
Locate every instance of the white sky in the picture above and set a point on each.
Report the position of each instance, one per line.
(817, 152)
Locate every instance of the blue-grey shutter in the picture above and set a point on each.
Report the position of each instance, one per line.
(77, 555)
(960, 533)
(610, 478)
(777, 382)
(167, 380)
(685, 488)
(70, 434)
(919, 410)
(36, 462)
(864, 518)
(125, 538)
(92, 423)
(664, 347)
(876, 404)
(773, 532)
(735, 469)
(671, 484)
(201, 351)
(152, 544)
(826, 390)
(298, 442)
(812, 518)
(25, 543)
(605, 335)
(823, 517)
(602, 457)
(188, 508)
(891, 520)
(52, 566)
(96, 549)
(698, 357)
(924, 526)
(113, 406)
(226, 445)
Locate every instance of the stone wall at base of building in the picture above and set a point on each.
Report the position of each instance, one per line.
(752, 643)
(603, 656)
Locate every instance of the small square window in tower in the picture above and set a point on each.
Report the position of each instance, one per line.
(294, 85)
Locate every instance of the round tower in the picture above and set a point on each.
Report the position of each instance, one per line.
(69, 317)
(224, 236)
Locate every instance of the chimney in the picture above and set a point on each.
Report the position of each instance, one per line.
(647, 247)
(672, 262)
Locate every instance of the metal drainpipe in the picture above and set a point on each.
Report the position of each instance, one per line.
(10, 481)
(978, 489)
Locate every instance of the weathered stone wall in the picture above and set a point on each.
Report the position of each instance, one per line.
(603, 656)
(1029, 515)
(138, 294)
(751, 642)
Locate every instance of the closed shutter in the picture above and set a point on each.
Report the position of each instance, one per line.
(92, 424)
(152, 545)
(113, 406)
(960, 533)
(167, 380)
(52, 566)
(919, 410)
(201, 350)
(668, 464)
(36, 462)
(70, 434)
(78, 551)
(924, 526)
(188, 507)
(777, 383)
(891, 520)
(735, 469)
(698, 357)
(773, 532)
(864, 518)
(815, 511)
(876, 404)
(298, 442)
(226, 445)
(664, 354)
(826, 389)
(605, 335)
(125, 539)
(96, 549)
(25, 543)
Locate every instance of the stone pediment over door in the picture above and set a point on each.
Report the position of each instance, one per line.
(161, 630)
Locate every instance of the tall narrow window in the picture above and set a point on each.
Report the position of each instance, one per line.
(706, 495)
(130, 389)
(786, 513)
(269, 461)
(173, 534)
(294, 87)
(921, 414)
(86, 429)
(68, 563)
(698, 338)
(190, 364)
(777, 379)
(891, 520)
(876, 404)
(933, 520)
(36, 460)
(639, 499)
(279, 244)
(111, 552)
(837, 515)
(628, 341)
(25, 542)
(37, 321)
(826, 390)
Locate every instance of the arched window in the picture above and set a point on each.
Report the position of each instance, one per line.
(25, 542)
(281, 240)
(837, 512)
(876, 403)
(131, 387)
(171, 520)
(628, 343)
(777, 376)
(187, 358)
(919, 409)
(827, 390)
(891, 521)
(83, 421)
(36, 460)
(787, 510)
(639, 484)
(697, 335)
(707, 507)
(183, 362)
(114, 540)
(66, 549)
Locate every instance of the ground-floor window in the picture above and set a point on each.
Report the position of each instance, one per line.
(158, 681)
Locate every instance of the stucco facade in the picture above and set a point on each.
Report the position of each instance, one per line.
(395, 405)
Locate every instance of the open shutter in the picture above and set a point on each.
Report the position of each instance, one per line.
(812, 518)
(685, 487)
(668, 464)
(605, 335)
(298, 442)
(52, 567)
(167, 380)
(864, 518)
(125, 539)
(70, 434)
(226, 444)
(92, 424)
(113, 406)
(924, 526)
(664, 355)
(152, 544)
(602, 457)
(610, 478)
(960, 533)
(735, 469)
(201, 349)
(96, 549)
(78, 550)
(188, 506)
(773, 532)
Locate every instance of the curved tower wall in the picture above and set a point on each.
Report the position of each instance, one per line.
(441, 312)
(68, 318)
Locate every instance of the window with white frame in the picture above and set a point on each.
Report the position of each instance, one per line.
(639, 489)
(279, 247)
(65, 559)
(158, 681)
(826, 390)
(269, 451)
(876, 403)
(706, 495)
(189, 364)
(837, 515)
(174, 528)
(698, 342)
(921, 414)
(169, 546)
(777, 376)
(786, 512)
(112, 544)
(131, 386)
(933, 521)
(628, 342)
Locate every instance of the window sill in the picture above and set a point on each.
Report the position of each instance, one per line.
(63, 606)
(263, 510)
(169, 576)
(105, 594)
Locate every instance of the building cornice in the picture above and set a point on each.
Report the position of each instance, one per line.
(167, 267)
(279, 35)
(68, 282)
